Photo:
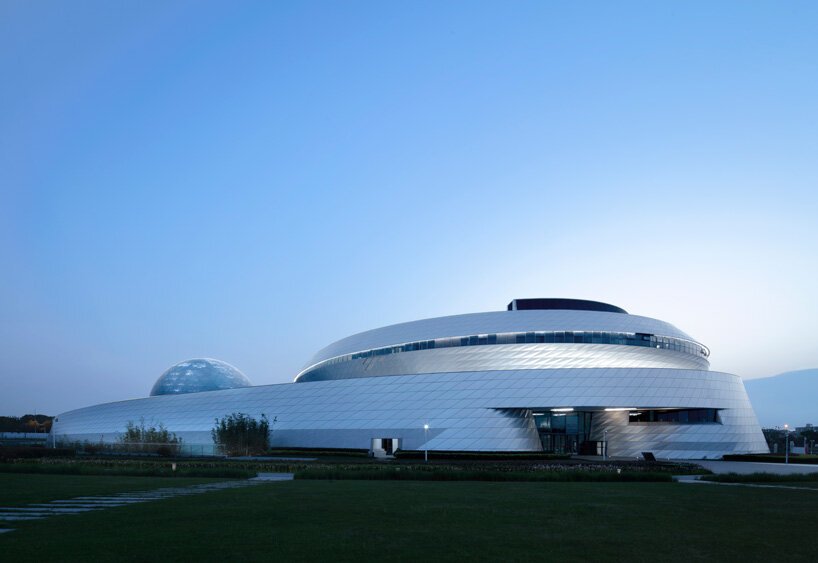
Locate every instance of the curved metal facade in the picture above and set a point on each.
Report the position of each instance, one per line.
(496, 322)
(504, 358)
(489, 398)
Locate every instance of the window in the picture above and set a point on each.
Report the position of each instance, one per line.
(674, 416)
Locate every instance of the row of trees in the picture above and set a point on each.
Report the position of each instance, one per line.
(776, 438)
(26, 423)
(234, 434)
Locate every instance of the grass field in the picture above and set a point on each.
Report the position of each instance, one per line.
(397, 520)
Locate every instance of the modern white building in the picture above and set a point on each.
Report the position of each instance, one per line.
(559, 375)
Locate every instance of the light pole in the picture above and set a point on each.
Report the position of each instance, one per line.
(786, 443)
(605, 446)
(425, 439)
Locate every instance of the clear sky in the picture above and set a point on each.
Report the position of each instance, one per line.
(250, 181)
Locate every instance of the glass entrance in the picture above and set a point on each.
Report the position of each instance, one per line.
(563, 432)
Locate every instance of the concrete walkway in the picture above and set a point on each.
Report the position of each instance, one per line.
(79, 505)
(695, 480)
(747, 467)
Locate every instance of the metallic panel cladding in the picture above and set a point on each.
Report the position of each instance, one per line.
(505, 357)
(474, 398)
(496, 322)
(485, 410)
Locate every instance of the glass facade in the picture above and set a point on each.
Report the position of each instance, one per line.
(563, 432)
(674, 416)
(195, 376)
(570, 432)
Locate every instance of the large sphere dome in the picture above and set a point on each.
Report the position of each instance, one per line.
(200, 374)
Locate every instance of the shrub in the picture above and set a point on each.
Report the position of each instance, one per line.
(241, 434)
(319, 452)
(30, 452)
(150, 439)
(447, 474)
(480, 456)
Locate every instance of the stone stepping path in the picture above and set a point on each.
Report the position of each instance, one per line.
(79, 505)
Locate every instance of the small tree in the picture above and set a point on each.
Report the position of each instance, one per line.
(241, 434)
(150, 439)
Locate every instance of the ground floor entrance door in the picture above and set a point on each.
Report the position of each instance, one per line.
(560, 443)
(387, 446)
(384, 446)
(563, 432)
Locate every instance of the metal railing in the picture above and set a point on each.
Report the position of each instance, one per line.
(147, 449)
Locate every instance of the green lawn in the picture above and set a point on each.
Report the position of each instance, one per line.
(411, 521)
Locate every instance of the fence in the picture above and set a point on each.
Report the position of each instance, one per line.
(23, 438)
(148, 449)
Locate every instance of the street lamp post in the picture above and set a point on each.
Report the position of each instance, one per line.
(786, 443)
(425, 439)
(605, 445)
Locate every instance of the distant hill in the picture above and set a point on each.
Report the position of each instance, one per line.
(790, 398)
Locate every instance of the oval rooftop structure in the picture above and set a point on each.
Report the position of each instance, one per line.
(561, 303)
(530, 334)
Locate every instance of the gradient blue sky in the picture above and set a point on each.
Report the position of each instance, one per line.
(251, 181)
